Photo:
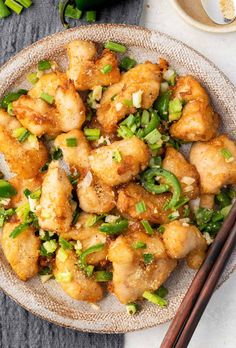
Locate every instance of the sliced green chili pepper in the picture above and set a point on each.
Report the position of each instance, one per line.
(12, 96)
(92, 249)
(154, 123)
(6, 189)
(115, 227)
(148, 180)
(18, 229)
(103, 276)
(162, 105)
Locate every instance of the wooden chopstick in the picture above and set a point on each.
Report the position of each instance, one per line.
(193, 292)
(207, 291)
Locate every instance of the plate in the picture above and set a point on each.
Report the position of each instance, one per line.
(193, 13)
(48, 301)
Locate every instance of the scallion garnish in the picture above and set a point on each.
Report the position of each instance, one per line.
(92, 133)
(12, 96)
(18, 229)
(161, 291)
(175, 109)
(106, 69)
(227, 155)
(114, 228)
(116, 47)
(36, 194)
(132, 308)
(32, 78)
(140, 207)
(154, 298)
(116, 156)
(21, 134)
(71, 142)
(90, 16)
(14, 6)
(147, 226)
(128, 102)
(44, 65)
(25, 3)
(139, 245)
(27, 192)
(10, 109)
(127, 63)
(124, 132)
(57, 154)
(65, 244)
(4, 11)
(73, 12)
(103, 276)
(153, 137)
(47, 98)
(6, 189)
(50, 246)
(75, 217)
(148, 258)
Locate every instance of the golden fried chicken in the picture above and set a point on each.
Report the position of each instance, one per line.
(187, 173)
(133, 193)
(21, 252)
(74, 281)
(55, 211)
(85, 69)
(119, 162)
(119, 99)
(24, 159)
(215, 162)
(131, 276)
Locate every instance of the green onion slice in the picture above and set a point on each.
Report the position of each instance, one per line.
(154, 298)
(103, 276)
(47, 98)
(6, 189)
(140, 207)
(132, 308)
(12, 96)
(139, 245)
(116, 47)
(44, 65)
(127, 63)
(106, 69)
(71, 142)
(147, 226)
(148, 258)
(65, 244)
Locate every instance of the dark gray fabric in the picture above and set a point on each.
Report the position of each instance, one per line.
(18, 328)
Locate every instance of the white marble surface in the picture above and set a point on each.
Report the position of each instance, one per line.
(217, 327)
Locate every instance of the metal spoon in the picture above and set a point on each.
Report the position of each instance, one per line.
(220, 11)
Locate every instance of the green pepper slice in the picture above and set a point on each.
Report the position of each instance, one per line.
(154, 123)
(115, 227)
(148, 181)
(6, 189)
(162, 105)
(92, 249)
(12, 96)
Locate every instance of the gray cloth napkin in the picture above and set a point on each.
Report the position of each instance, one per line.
(18, 328)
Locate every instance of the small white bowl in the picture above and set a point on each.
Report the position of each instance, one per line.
(193, 13)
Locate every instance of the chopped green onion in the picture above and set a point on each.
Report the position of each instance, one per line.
(116, 47)
(106, 69)
(71, 142)
(4, 11)
(6, 189)
(57, 154)
(147, 226)
(139, 245)
(18, 230)
(44, 168)
(116, 156)
(153, 137)
(75, 217)
(36, 194)
(12, 96)
(124, 132)
(148, 258)
(170, 76)
(145, 118)
(5, 214)
(162, 292)
(25, 3)
(89, 270)
(164, 87)
(47, 98)
(103, 276)
(161, 229)
(137, 99)
(175, 109)
(74, 179)
(155, 162)
(152, 297)
(132, 308)
(62, 255)
(84, 254)
(73, 12)
(27, 192)
(32, 78)
(128, 102)
(21, 134)
(14, 6)
(115, 227)
(64, 277)
(50, 246)
(227, 155)
(127, 63)
(10, 109)
(44, 65)
(90, 16)
(140, 207)
(92, 133)
(65, 244)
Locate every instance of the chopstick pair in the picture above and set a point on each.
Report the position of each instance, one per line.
(198, 295)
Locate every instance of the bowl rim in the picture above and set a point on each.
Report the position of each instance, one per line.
(221, 29)
(10, 65)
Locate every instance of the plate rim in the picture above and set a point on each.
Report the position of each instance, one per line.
(11, 61)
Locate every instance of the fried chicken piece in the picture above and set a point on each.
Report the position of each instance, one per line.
(131, 277)
(20, 185)
(133, 193)
(134, 156)
(55, 211)
(98, 197)
(48, 83)
(144, 79)
(207, 201)
(183, 240)
(76, 157)
(74, 281)
(198, 120)
(24, 159)
(89, 236)
(37, 116)
(85, 70)
(21, 252)
(187, 173)
(215, 170)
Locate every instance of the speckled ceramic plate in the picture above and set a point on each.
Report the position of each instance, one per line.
(48, 301)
